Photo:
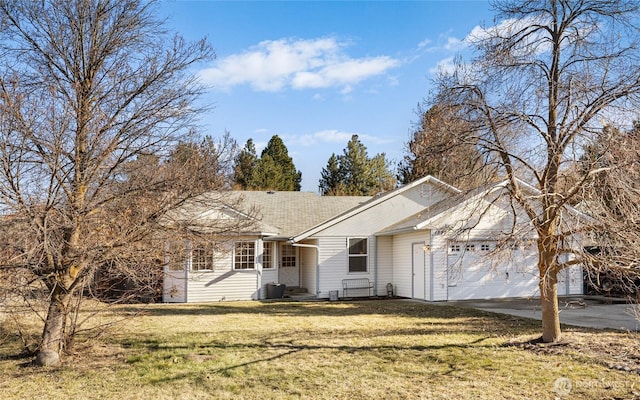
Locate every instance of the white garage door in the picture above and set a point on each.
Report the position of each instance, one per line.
(474, 272)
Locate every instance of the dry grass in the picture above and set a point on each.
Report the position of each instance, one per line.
(320, 350)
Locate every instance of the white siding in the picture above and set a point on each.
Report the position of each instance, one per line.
(570, 281)
(308, 261)
(173, 286)
(438, 266)
(222, 285)
(576, 280)
(268, 276)
(384, 254)
(334, 265)
(402, 261)
(384, 214)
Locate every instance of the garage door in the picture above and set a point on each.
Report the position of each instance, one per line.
(475, 272)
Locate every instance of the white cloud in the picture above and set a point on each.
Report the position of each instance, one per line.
(526, 28)
(424, 43)
(318, 97)
(299, 64)
(445, 43)
(446, 65)
(334, 136)
(454, 44)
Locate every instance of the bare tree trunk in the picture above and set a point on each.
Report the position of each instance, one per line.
(53, 335)
(549, 301)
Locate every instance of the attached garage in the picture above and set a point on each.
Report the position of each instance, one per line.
(455, 250)
(476, 271)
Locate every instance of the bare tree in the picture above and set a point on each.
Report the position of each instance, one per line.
(93, 96)
(433, 150)
(547, 79)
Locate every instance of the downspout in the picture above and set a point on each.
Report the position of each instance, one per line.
(375, 268)
(317, 248)
(431, 280)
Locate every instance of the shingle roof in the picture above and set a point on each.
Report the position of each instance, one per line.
(284, 214)
(294, 212)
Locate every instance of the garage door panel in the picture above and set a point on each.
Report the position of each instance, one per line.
(473, 274)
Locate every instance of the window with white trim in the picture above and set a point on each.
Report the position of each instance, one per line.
(244, 255)
(470, 247)
(454, 248)
(358, 255)
(268, 255)
(485, 247)
(202, 257)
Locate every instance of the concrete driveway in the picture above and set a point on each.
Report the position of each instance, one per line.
(585, 312)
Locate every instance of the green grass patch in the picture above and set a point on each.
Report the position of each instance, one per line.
(320, 350)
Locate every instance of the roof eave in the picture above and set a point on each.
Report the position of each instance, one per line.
(358, 209)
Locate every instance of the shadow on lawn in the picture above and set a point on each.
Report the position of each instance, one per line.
(404, 308)
(485, 321)
(290, 348)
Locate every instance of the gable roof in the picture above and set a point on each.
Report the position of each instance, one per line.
(425, 219)
(373, 202)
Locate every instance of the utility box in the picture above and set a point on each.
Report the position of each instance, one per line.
(275, 290)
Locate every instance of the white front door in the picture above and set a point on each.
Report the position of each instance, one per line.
(288, 271)
(417, 266)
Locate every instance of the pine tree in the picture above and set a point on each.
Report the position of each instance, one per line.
(273, 170)
(331, 181)
(277, 169)
(355, 174)
(245, 165)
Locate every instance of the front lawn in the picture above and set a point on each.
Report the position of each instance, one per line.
(323, 350)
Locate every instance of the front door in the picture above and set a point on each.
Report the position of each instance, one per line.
(417, 266)
(288, 272)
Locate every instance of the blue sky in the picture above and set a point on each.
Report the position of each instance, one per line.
(316, 73)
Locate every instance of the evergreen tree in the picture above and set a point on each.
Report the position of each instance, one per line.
(355, 174)
(277, 170)
(245, 165)
(331, 181)
(273, 170)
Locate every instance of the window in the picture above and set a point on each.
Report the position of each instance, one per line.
(176, 256)
(470, 247)
(454, 248)
(485, 247)
(268, 255)
(288, 256)
(357, 255)
(244, 255)
(202, 257)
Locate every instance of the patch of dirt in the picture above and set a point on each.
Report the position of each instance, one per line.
(615, 350)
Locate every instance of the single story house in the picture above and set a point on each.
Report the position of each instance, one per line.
(425, 240)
